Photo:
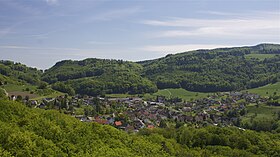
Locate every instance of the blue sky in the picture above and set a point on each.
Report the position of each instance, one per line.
(41, 32)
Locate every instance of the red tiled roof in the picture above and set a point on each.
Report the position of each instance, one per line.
(150, 126)
(118, 123)
(101, 121)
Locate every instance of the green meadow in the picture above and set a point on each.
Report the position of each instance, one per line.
(31, 91)
(267, 90)
(181, 93)
(261, 112)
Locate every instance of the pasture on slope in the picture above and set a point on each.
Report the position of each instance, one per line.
(181, 93)
(31, 91)
(267, 90)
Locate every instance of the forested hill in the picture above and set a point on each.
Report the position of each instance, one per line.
(17, 73)
(34, 132)
(223, 69)
(98, 76)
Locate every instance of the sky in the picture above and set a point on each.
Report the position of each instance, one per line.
(40, 33)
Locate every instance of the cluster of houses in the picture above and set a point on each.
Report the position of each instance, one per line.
(132, 114)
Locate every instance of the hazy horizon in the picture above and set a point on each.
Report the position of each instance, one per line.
(129, 60)
(39, 33)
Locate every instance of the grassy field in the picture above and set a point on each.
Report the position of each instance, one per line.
(181, 93)
(23, 94)
(52, 95)
(261, 112)
(259, 56)
(267, 90)
(14, 87)
(119, 95)
(168, 93)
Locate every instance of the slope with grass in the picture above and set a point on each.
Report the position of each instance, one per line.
(261, 117)
(17, 73)
(180, 93)
(267, 90)
(18, 79)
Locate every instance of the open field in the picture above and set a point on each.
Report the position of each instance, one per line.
(267, 90)
(168, 93)
(119, 95)
(261, 112)
(181, 93)
(14, 87)
(23, 94)
(259, 56)
(52, 95)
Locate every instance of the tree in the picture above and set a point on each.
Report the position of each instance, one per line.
(162, 124)
(43, 85)
(19, 98)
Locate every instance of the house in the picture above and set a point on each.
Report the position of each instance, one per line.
(34, 102)
(118, 123)
(111, 120)
(150, 126)
(139, 124)
(42, 105)
(129, 128)
(48, 100)
(185, 118)
(13, 98)
(186, 109)
(101, 121)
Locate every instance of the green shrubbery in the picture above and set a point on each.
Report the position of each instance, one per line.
(35, 132)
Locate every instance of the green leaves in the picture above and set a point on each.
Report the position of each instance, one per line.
(98, 77)
(35, 132)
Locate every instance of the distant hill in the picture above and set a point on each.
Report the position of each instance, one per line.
(98, 76)
(222, 69)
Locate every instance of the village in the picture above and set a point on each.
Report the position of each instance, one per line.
(132, 114)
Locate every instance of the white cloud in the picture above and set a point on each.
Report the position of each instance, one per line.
(260, 25)
(167, 49)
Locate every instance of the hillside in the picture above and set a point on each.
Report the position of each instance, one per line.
(17, 73)
(35, 132)
(98, 76)
(19, 79)
(267, 90)
(223, 69)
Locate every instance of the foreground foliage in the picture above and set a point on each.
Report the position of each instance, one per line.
(35, 132)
